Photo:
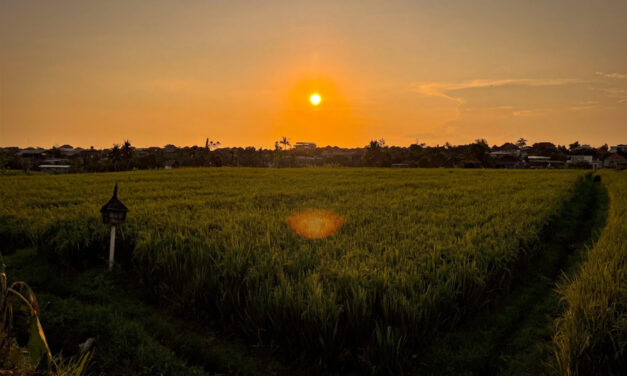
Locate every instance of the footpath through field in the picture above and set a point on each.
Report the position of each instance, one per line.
(514, 335)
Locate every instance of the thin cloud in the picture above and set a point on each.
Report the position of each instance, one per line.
(584, 105)
(529, 113)
(442, 89)
(618, 76)
(620, 95)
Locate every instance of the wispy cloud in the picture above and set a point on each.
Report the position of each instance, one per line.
(443, 89)
(529, 113)
(618, 76)
(585, 105)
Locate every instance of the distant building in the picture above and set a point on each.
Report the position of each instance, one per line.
(54, 169)
(507, 146)
(618, 149)
(69, 151)
(32, 153)
(538, 161)
(581, 158)
(615, 161)
(54, 162)
(506, 158)
(304, 146)
(544, 145)
(589, 159)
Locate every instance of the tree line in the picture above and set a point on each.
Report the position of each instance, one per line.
(377, 153)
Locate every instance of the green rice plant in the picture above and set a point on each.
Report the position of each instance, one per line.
(591, 336)
(418, 251)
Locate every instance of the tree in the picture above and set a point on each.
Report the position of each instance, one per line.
(483, 143)
(285, 142)
(375, 155)
(573, 146)
(115, 156)
(127, 155)
(374, 145)
(521, 142)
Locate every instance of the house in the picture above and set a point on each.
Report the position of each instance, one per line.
(538, 161)
(54, 162)
(69, 151)
(581, 158)
(509, 153)
(616, 161)
(506, 158)
(170, 164)
(619, 149)
(54, 168)
(507, 146)
(32, 153)
(304, 146)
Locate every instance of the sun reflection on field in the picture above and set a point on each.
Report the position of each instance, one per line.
(315, 224)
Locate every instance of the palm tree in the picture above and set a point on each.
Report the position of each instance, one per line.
(115, 156)
(285, 142)
(127, 154)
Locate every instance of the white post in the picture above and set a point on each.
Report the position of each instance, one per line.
(112, 248)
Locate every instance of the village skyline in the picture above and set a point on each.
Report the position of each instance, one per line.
(271, 145)
(377, 153)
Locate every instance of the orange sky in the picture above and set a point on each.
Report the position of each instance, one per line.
(93, 73)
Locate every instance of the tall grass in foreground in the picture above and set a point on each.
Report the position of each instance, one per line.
(591, 336)
(419, 249)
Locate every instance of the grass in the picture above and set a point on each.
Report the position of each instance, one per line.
(513, 336)
(131, 337)
(419, 249)
(591, 336)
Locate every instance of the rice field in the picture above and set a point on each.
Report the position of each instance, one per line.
(591, 336)
(336, 266)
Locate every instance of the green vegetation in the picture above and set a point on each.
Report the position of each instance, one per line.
(419, 250)
(130, 337)
(591, 336)
(23, 346)
(513, 336)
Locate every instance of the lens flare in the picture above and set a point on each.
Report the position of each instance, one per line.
(315, 224)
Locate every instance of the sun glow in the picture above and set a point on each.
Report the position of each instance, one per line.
(315, 99)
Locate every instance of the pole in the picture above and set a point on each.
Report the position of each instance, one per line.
(112, 248)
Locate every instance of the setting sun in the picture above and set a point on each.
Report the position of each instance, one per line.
(315, 99)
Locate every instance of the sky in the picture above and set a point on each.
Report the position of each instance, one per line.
(95, 73)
